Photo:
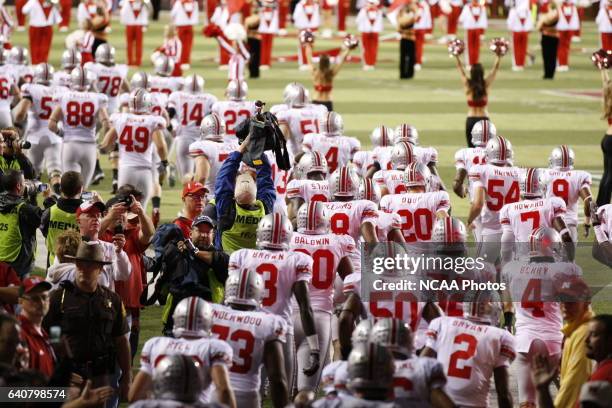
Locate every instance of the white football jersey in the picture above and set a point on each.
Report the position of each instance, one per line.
(233, 113)
(567, 186)
(215, 153)
(247, 333)
(467, 158)
(525, 216)
(338, 150)
(207, 352)
(43, 104)
(80, 110)
(326, 250)
(308, 190)
(135, 138)
(6, 83)
(362, 161)
(424, 155)
(348, 216)
(158, 102)
(501, 186)
(280, 183)
(21, 73)
(469, 353)
(417, 212)
(279, 271)
(166, 85)
(108, 82)
(300, 121)
(385, 223)
(190, 110)
(414, 379)
(61, 79)
(393, 180)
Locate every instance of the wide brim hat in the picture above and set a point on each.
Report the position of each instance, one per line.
(89, 252)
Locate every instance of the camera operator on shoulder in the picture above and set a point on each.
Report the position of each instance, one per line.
(19, 221)
(11, 155)
(195, 268)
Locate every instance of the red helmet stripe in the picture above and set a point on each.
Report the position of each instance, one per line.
(502, 148)
(448, 223)
(192, 313)
(565, 156)
(485, 131)
(368, 189)
(393, 331)
(329, 121)
(276, 229)
(343, 180)
(310, 225)
(243, 283)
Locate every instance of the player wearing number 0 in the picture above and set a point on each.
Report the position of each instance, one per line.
(193, 321)
(570, 185)
(388, 225)
(495, 183)
(533, 284)
(314, 187)
(471, 350)
(337, 149)
(137, 132)
(78, 110)
(236, 108)
(331, 254)
(187, 108)
(37, 103)
(256, 337)
(285, 274)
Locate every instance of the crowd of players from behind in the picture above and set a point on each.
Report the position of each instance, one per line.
(393, 348)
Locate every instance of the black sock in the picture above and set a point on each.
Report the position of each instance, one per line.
(156, 202)
(98, 168)
(115, 174)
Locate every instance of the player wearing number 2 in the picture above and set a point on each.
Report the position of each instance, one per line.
(236, 108)
(78, 110)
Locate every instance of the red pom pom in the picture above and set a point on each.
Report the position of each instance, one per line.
(306, 37)
(456, 47)
(212, 30)
(499, 46)
(602, 59)
(350, 41)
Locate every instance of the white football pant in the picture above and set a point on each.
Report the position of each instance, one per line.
(322, 322)
(80, 157)
(184, 163)
(139, 177)
(47, 153)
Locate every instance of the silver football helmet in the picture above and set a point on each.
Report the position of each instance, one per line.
(482, 306)
(81, 79)
(533, 183)
(177, 377)
(212, 128)
(344, 182)
(312, 219)
(43, 73)
(394, 334)
(19, 56)
(369, 190)
(244, 287)
(105, 54)
(545, 241)
(381, 136)
(361, 332)
(71, 58)
(561, 158)
(140, 101)
(274, 232)
(406, 133)
(313, 162)
(483, 131)
(163, 65)
(297, 96)
(331, 124)
(288, 91)
(236, 90)
(402, 155)
(417, 175)
(193, 317)
(370, 367)
(140, 79)
(499, 151)
(194, 84)
(449, 230)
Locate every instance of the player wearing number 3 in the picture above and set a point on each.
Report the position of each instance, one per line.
(78, 110)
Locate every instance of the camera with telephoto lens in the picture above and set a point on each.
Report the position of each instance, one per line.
(265, 135)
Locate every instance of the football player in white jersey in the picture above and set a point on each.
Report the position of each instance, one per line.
(163, 81)
(388, 225)
(188, 107)
(471, 350)
(331, 255)
(236, 108)
(392, 181)
(290, 90)
(285, 274)
(193, 322)
(136, 132)
(417, 381)
(256, 337)
(71, 59)
(569, 184)
(280, 178)
(18, 65)
(78, 110)
(38, 101)
(9, 93)
(495, 184)
(533, 285)
(337, 149)
(519, 219)
(210, 151)
(601, 218)
(364, 160)
(468, 157)
(314, 187)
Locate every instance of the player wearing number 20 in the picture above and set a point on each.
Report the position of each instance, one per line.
(78, 110)
(110, 76)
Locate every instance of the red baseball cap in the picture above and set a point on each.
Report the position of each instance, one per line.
(90, 207)
(194, 188)
(33, 282)
(573, 288)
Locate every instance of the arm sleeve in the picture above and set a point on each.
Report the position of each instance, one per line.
(145, 357)
(120, 326)
(265, 185)
(220, 353)
(507, 351)
(30, 217)
(225, 183)
(121, 267)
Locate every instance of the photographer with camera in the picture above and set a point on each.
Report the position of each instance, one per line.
(19, 221)
(11, 155)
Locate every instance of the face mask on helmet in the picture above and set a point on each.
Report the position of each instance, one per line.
(406, 133)
(483, 131)
(245, 191)
(192, 318)
(561, 158)
(533, 184)
(312, 219)
(369, 190)
(212, 128)
(381, 136)
(394, 334)
(344, 182)
(274, 232)
(361, 332)
(177, 377)
(244, 287)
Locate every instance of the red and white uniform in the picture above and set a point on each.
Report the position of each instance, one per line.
(348, 216)
(109, 79)
(422, 26)
(207, 352)
(280, 183)
(306, 16)
(222, 17)
(85, 47)
(393, 180)
(215, 153)
(185, 14)
(6, 26)
(268, 28)
(414, 379)
(474, 20)
(165, 85)
(567, 185)
(158, 102)
(21, 73)
(522, 217)
(337, 150)
(417, 211)
(370, 23)
(385, 223)
(300, 121)
(42, 17)
(7, 82)
(308, 190)
(363, 160)
(453, 17)
(134, 15)
(468, 157)
(234, 112)
(469, 353)
(567, 25)
(520, 24)
(425, 155)
(604, 24)
(86, 10)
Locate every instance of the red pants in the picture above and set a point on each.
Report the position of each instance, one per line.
(520, 39)
(40, 43)
(66, 10)
(452, 20)
(266, 48)
(419, 43)
(246, 10)
(369, 42)
(302, 55)
(435, 13)
(133, 39)
(21, 20)
(473, 45)
(86, 57)
(178, 71)
(606, 41)
(185, 34)
(565, 40)
(580, 18)
(211, 5)
(283, 10)
(343, 11)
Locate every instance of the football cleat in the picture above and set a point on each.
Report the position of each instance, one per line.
(244, 287)
(406, 133)
(482, 132)
(561, 158)
(417, 175)
(331, 124)
(381, 136)
(274, 232)
(394, 334)
(105, 54)
(193, 317)
(43, 73)
(212, 128)
(312, 219)
(402, 155)
(344, 182)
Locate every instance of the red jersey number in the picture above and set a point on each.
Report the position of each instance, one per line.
(322, 267)
(417, 225)
(233, 118)
(80, 114)
(245, 341)
(269, 274)
(496, 198)
(309, 126)
(45, 108)
(110, 85)
(464, 372)
(560, 188)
